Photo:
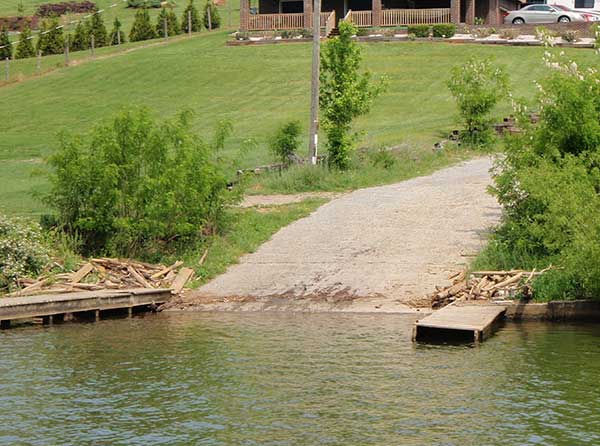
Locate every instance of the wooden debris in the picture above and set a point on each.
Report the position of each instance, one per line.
(107, 273)
(203, 258)
(485, 285)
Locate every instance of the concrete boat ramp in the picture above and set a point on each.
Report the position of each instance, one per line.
(459, 323)
(87, 305)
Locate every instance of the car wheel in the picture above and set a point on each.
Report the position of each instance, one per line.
(518, 21)
(564, 19)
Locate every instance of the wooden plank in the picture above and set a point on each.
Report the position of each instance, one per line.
(167, 270)
(81, 273)
(478, 319)
(138, 277)
(184, 275)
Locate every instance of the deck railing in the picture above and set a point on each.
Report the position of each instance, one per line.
(267, 22)
(395, 17)
(330, 23)
(360, 18)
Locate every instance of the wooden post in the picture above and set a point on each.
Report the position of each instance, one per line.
(209, 17)
(455, 11)
(7, 73)
(190, 23)
(308, 11)
(376, 20)
(165, 29)
(67, 52)
(244, 15)
(38, 67)
(93, 46)
(313, 139)
(470, 12)
(119, 36)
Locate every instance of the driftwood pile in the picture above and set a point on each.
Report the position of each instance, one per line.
(109, 274)
(485, 285)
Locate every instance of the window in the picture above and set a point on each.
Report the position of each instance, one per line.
(589, 4)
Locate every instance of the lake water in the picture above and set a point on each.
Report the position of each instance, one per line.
(295, 379)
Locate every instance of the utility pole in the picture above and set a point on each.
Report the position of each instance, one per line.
(314, 85)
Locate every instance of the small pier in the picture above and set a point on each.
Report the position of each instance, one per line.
(468, 323)
(88, 305)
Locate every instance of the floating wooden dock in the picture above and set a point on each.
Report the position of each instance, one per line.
(459, 323)
(86, 304)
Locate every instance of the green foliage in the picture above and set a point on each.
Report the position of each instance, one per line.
(137, 186)
(97, 29)
(477, 87)
(445, 30)
(53, 42)
(419, 30)
(285, 142)
(23, 251)
(383, 158)
(215, 18)
(81, 38)
(172, 23)
(25, 46)
(117, 36)
(344, 95)
(548, 185)
(6, 52)
(141, 29)
(195, 18)
(144, 3)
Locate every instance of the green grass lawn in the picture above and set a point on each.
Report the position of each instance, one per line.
(256, 87)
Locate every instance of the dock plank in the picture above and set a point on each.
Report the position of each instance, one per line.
(477, 319)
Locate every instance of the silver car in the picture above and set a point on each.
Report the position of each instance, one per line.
(542, 14)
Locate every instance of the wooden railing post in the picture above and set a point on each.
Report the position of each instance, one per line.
(244, 14)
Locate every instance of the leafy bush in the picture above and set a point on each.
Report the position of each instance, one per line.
(548, 185)
(477, 87)
(570, 35)
(19, 23)
(285, 142)
(53, 41)
(172, 23)
(58, 9)
(482, 33)
(144, 3)
(419, 30)
(509, 33)
(117, 36)
(215, 18)
(97, 29)
(344, 95)
(445, 30)
(137, 186)
(81, 38)
(6, 52)
(383, 158)
(142, 29)
(25, 46)
(23, 251)
(195, 18)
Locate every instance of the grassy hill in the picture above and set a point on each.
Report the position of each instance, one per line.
(257, 88)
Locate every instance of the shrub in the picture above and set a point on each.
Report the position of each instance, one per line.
(141, 29)
(53, 41)
(419, 30)
(6, 51)
(137, 186)
(117, 36)
(195, 18)
(344, 95)
(482, 33)
(595, 28)
(172, 23)
(25, 46)
(58, 9)
(97, 29)
(445, 30)
(23, 252)
(285, 142)
(144, 3)
(477, 87)
(570, 36)
(215, 18)
(81, 38)
(509, 34)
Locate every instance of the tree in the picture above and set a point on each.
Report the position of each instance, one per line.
(25, 46)
(141, 29)
(81, 38)
(344, 95)
(53, 41)
(6, 51)
(172, 23)
(195, 18)
(477, 87)
(117, 36)
(215, 18)
(285, 142)
(97, 29)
